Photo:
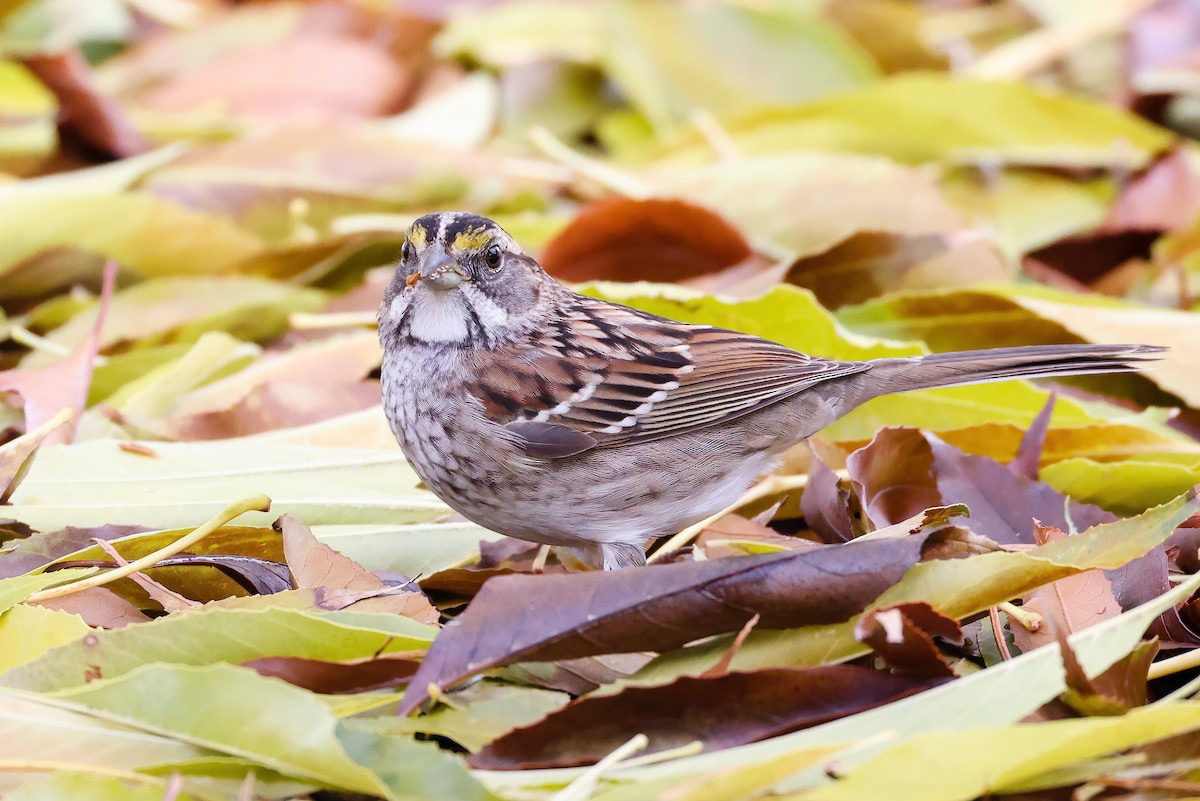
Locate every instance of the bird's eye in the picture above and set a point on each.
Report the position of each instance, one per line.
(492, 256)
(405, 249)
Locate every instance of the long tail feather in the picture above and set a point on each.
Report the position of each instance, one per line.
(999, 364)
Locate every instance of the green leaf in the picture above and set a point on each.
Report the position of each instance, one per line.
(480, 714)
(1121, 487)
(35, 730)
(182, 309)
(274, 723)
(932, 117)
(412, 771)
(1014, 754)
(27, 632)
(1029, 209)
(28, 108)
(671, 60)
(184, 484)
(214, 634)
(18, 588)
(145, 233)
(88, 787)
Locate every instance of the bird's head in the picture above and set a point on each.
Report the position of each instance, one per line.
(461, 280)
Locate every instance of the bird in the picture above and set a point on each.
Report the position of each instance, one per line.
(557, 418)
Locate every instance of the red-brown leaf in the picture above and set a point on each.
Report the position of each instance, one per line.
(358, 676)
(721, 712)
(643, 240)
(902, 635)
(547, 617)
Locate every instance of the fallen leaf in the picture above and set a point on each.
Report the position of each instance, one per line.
(738, 708)
(85, 113)
(1117, 690)
(353, 676)
(870, 263)
(894, 477)
(316, 565)
(658, 608)
(942, 118)
(64, 384)
(15, 455)
(1033, 443)
(1072, 603)
(643, 240)
(902, 635)
(826, 504)
(98, 607)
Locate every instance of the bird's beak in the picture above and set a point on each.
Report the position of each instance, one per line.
(438, 270)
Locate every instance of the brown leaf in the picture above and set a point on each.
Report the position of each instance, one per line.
(893, 476)
(1003, 505)
(1163, 197)
(826, 504)
(313, 75)
(41, 548)
(316, 565)
(736, 708)
(1115, 691)
(579, 676)
(64, 384)
(902, 635)
(870, 263)
(17, 455)
(726, 536)
(643, 240)
(1072, 604)
(356, 676)
(98, 607)
(658, 608)
(84, 113)
(1029, 452)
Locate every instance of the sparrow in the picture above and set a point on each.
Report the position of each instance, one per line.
(557, 418)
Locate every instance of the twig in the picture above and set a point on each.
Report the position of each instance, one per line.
(609, 177)
(582, 787)
(716, 136)
(306, 321)
(998, 631)
(252, 503)
(1043, 47)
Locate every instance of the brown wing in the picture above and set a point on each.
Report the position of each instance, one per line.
(622, 376)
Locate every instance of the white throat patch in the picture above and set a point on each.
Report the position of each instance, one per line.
(438, 317)
(443, 316)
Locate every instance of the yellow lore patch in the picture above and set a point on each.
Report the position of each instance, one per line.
(416, 236)
(472, 239)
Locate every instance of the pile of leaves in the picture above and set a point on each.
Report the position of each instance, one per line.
(219, 578)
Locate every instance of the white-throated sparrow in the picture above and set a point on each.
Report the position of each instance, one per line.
(557, 418)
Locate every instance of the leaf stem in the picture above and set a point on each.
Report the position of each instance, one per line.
(251, 503)
(1175, 664)
(1029, 620)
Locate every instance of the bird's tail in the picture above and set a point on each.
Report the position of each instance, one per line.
(999, 364)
